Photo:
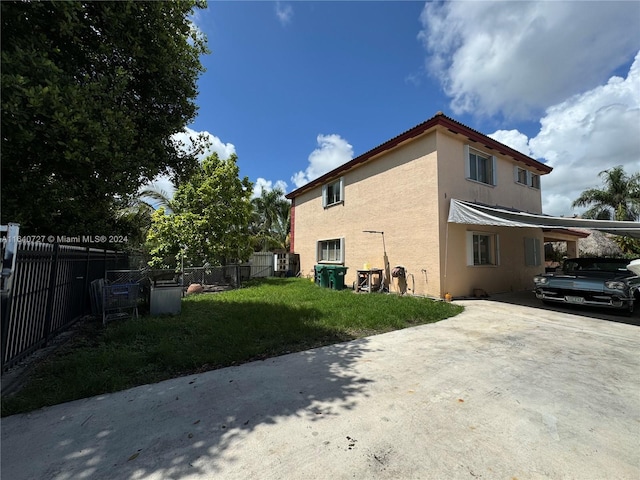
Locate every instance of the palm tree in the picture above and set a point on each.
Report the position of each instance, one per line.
(136, 211)
(618, 200)
(271, 220)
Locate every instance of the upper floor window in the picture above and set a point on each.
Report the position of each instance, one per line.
(525, 177)
(534, 181)
(480, 166)
(333, 193)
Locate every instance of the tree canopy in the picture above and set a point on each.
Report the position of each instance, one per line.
(210, 219)
(618, 200)
(91, 94)
(271, 222)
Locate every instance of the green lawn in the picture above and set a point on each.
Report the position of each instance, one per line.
(269, 317)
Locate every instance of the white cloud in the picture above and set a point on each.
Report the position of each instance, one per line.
(186, 138)
(514, 139)
(186, 141)
(284, 13)
(584, 135)
(267, 185)
(517, 58)
(332, 152)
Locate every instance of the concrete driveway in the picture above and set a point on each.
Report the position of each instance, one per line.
(501, 391)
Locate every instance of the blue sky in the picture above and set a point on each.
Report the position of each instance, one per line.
(297, 88)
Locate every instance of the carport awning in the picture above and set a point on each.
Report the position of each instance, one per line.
(470, 213)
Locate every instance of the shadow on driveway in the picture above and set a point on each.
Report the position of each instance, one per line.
(528, 299)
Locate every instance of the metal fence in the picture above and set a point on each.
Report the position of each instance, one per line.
(47, 291)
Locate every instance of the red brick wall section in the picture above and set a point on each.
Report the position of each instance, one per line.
(293, 225)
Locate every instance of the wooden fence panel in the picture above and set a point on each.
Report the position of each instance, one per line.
(261, 264)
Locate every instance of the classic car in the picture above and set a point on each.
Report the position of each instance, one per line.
(598, 282)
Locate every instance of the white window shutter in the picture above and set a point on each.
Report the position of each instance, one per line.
(470, 248)
(324, 196)
(342, 249)
(467, 170)
(342, 189)
(516, 171)
(494, 170)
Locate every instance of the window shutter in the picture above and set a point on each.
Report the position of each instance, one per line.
(516, 176)
(467, 170)
(494, 170)
(342, 249)
(342, 189)
(470, 248)
(324, 196)
(497, 249)
(528, 251)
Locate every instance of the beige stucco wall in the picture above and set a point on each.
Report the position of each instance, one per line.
(511, 274)
(395, 194)
(406, 193)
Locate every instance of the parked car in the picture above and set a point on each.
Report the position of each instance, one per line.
(598, 282)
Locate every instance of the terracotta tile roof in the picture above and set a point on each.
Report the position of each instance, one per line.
(439, 119)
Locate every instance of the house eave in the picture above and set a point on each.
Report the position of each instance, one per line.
(439, 119)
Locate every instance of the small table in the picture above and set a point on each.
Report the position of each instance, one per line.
(369, 280)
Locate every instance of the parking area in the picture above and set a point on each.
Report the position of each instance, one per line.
(501, 391)
(528, 299)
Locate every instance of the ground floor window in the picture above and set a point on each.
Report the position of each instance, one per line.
(331, 250)
(482, 248)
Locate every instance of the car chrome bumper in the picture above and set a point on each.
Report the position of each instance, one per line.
(594, 300)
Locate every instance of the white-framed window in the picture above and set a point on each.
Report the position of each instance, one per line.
(525, 177)
(480, 166)
(333, 192)
(521, 176)
(482, 249)
(330, 251)
(534, 181)
(532, 252)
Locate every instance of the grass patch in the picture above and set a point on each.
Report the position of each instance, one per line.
(268, 318)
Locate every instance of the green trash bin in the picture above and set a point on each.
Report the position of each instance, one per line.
(336, 276)
(322, 275)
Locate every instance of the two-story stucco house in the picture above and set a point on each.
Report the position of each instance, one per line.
(404, 188)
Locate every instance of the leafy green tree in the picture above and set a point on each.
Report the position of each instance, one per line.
(271, 222)
(618, 200)
(91, 94)
(210, 219)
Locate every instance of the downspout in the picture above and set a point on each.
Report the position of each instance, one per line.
(446, 259)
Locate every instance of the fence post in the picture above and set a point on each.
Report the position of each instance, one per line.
(10, 255)
(85, 289)
(51, 293)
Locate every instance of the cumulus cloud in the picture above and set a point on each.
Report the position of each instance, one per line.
(332, 152)
(262, 184)
(514, 139)
(584, 135)
(284, 13)
(517, 58)
(187, 142)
